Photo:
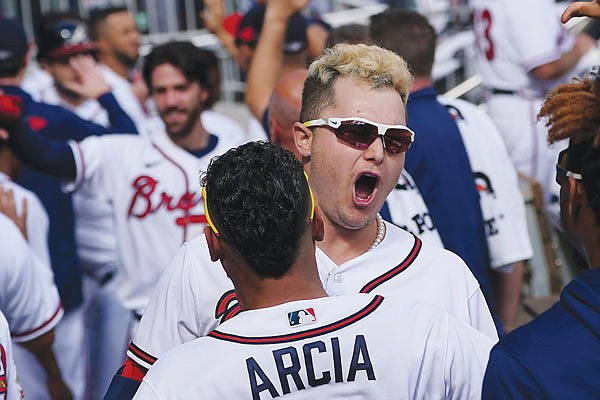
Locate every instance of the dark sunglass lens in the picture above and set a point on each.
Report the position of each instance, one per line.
(397, 140)
(357, 134)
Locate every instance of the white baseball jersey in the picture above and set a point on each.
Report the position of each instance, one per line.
(510, 42)
(153, 186)
(29, 298)
(502, 204)
(37, 219)
(10, 389)
(194, 294)
(352, 346)
(408, 210)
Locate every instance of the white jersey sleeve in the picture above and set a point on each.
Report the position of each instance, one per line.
(10, 389)
(37, 222)
(29, 297)
(496, 179)
(185, 304)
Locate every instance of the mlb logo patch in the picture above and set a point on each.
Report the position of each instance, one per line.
(302, 317)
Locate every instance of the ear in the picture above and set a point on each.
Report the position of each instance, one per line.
(303, 139)
(318, 226)
(204, 95)
(214, 247)
(577, 196)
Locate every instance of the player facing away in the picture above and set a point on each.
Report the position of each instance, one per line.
(291, 338)
(362, 91)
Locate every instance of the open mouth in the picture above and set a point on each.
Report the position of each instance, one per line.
(364, 188)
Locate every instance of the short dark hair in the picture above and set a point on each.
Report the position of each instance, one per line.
(99, 15)
(407, 34)
(184, 56)
(259, 200)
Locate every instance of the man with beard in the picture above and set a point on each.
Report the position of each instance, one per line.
(151, 183)
(118, 41)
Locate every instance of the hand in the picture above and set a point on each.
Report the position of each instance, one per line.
(285, 8)
(58, 389)
(581, 9)
(139, 88)
(213, 15)
(8, 206)
(91, 83)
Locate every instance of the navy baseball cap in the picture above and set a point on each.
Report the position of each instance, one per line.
(64, 38)
(13, 40)
(250, 25)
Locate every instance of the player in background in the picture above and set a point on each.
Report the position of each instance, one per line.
(360, 252)
(287, 315)
(521, 53)
(29, 300)
(117, 38)
(55, 123)
(557, 355)
(10, 389)
(490, 170)
(459, 222)
(150, 182)
(66, 53)
(245, 33)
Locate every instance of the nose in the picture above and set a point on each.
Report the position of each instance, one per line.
(171, 98)
(376, 151)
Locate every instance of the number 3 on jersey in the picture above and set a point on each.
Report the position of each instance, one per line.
(482, 22)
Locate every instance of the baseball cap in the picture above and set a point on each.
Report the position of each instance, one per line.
(250, 25)
(63, 38)
(13, 40)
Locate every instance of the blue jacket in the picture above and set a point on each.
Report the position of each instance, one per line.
(555, 356)
(58, 123)
(439, 165)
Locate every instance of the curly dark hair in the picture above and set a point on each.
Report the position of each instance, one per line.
(572, 111)
(184, 56)
(259, 201)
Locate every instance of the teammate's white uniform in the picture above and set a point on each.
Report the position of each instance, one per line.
(37, 218)
(153, 186)
(194, 294)
(408, 210)
(10, 388)
(328, 348)
(512, 41)
(502, 204)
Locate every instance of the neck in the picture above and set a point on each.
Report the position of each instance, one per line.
(12, 81)
(118, 67)
(196, 139)
(421, 82)
(343, 244)
(301, 282)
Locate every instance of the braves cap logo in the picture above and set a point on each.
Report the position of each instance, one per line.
(302, 317)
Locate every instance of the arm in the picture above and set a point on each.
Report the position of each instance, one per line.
(41, 347)
(267, 62)
(581, 9)
(508, 290)
(212, 17)
(567, 61)
(92, 85)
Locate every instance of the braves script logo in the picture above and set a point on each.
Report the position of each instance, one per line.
(227, 306)
(144, 202)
